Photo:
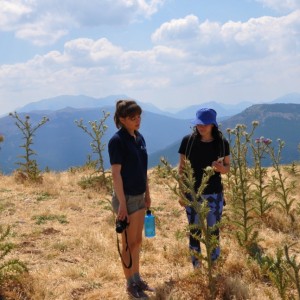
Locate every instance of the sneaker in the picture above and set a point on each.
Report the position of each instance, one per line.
(197, 265)
(135, 292)
(143, 285)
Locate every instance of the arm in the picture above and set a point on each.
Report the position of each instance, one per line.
(118, 188)
(180, 172)
(181, 164)
(147, 196)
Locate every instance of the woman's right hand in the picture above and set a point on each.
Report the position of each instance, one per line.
(182, 202)
(122, 213)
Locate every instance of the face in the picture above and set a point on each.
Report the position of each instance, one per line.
(131, 123)
(205, 130)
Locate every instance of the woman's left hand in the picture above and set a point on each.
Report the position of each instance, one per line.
(147, 201)
(217, 166)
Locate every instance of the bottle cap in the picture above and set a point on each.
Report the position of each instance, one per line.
(148, 212)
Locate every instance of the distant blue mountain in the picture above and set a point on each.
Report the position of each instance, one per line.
(60, 144)
(81, 101)
(289, 98)
(63, 101)
(278, 120)
(223, 110)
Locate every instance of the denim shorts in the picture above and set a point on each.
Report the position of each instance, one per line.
(133, 203)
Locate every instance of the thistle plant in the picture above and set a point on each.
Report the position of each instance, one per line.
(96, 132)
(261, 189)
(293, 268)
(274, 268)
(183, 186)
(1, 139)
(12, 267)
(283, 189)
(293, 169)
(242, 198)
(30, 167)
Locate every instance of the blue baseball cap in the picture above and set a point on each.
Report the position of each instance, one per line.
(205, 116)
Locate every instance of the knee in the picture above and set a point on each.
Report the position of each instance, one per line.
(138, 241)
(135, 243)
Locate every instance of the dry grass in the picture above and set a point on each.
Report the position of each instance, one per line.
(66, 237)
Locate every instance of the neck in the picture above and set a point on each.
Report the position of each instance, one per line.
(207, 138)
(131, 132)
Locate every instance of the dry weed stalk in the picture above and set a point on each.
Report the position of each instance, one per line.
(283, 189)
(96, 133)
(12, 267)
(184, 185)
(242, 201)
(28, 170)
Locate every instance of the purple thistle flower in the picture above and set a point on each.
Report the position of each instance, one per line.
(267, 141)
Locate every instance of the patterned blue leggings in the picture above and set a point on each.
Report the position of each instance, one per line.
(215, 203)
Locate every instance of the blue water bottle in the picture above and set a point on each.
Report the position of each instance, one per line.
(149, 224)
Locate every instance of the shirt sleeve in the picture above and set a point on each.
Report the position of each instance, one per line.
(227, 148)
(116, 150)
(183, 145)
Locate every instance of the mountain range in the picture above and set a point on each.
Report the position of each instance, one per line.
(276, 121)
(81, 101)
(60, 144)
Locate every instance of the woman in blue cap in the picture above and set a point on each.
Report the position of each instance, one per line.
(205, 147)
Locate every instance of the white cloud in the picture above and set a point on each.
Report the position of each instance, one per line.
(233, 60)
(11, 12)
(178, 29)
(215, 43)
(89, 53)
(281, 5)
(46, 21)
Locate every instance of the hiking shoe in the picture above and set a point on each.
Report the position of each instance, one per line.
(196, 263)
(135, 292)
(143, 285)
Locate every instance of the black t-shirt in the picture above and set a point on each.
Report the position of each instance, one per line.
(201, 155)
(131, 154)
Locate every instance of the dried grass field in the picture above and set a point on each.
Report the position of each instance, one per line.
(66, 237)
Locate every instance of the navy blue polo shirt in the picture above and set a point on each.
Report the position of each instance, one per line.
(131, 154)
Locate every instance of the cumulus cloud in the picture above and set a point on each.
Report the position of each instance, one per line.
(216, 43)
(11, 12)
(45, 21)
(188, 56)
(178, 29)
(86, 66)
(87, 52)
(281, 5)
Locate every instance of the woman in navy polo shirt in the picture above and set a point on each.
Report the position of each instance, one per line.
(129, 162)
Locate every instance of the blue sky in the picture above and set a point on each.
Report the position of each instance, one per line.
(172, 53)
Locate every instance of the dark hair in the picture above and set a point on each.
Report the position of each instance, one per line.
(216, 133)
(124, 109)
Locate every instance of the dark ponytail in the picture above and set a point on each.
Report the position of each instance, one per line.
(124, 109)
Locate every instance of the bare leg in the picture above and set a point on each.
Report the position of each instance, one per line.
(134, 239)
